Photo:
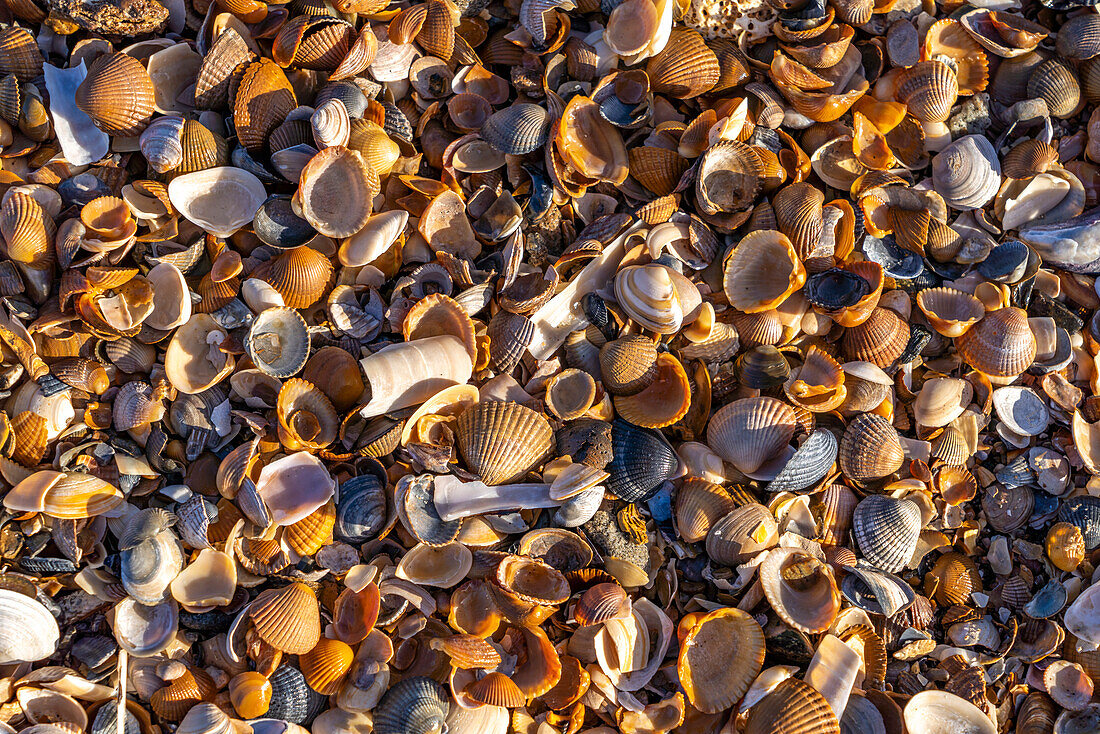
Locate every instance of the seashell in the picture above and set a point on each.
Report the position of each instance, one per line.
(495, 689)
(189, 363)
(728, 178)
(228, 53)
(721, 654)
(300, 275)
(1001, 345)
(287, 618)
(793, 706)
(209, 580)
(380, 152)
(649, 296)
(880, 339)
(750, 431)
(658, 169)
(800, 588)
(278, 342)
(262, 101)
(699, 505)
(1029, 158)
(762, 368)
(219, 200)
(27, 228)
(376, 237)
(589, 144)
(467, 652)
(20, 54)
(250, 693)
(1083, 512)
(817, 386)
(30, 633)
(200, 148)
(150, 566)
(967, 173)
(413, 705)
(526, 589)
(685, 68)
(64, 496)
(955, 577)
(741, 534)
(602, 602)
(191, 687)
(325, 666)
(442, 566)
(1021, 410)
(886, 530)
(570, 393)
(941, 400)
(296, 485)
(439, 315)
(752, 280)
(663, 402)
(870, 449)
(628, 365)
(951, 711)
(205, 718)
(1065, 546)
(875, 591)
(161, 143)
(501, 441)
(335, 191)
(929, 90)
(518, 129)
(277, 225)
(509, 334)
(291, 699)
(1055, 82)
(950, 312)
(641, 460)
(145, 630)
(798, 212)
(118, 95)
(171, 299)
(808, 465)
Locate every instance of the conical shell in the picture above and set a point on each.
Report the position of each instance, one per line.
(750, 431)
(719, 658)
(288, 619)
(870, 449)
(263, 99)
(628, 365)
(929, 89)
(1001, 345)
(792, 707)
(301, 276)
(501, 441)
(685, 68)
(326, 665)
(886, 530)
(118, 95)
(880, 339)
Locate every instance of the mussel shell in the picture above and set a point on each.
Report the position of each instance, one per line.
(1006, 262)
(1084, 512)
(835, 289)
(641, 460)
(415, 705)
(809, 464)
(361, 512)
(277, 225)
(896, 261)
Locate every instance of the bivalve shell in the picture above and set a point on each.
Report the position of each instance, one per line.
(750, 431)
(719, 658)
(929, 89)
(518, 129)
(500, 441)
(1001, 345)
(792, 707)
(870, 449)
(742, 534)
(288, 619)
(886, 530)
(967, 173)
(118, 95)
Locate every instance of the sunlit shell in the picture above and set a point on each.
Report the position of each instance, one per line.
(209, 580)
(929, 89)
(500, 441)
(1055, 82)
(728, 179)
(287, 618)
(590, 144)
(663, 402)
(818, 385)
(879, 340)
(954, 713)
(495, 689)
(250, 693)
(750, 431)
(1029, 158)
(628, 365)
(181, 694)
(20, 53)
(800, 588)
(263, 99)
(335, 191)
(941, 400)
(380, 152)
(741, 534)
(949, 311)
(31, 632)
(300, 275)
(658, 169)
(870, 449)
(685, 68)
(307, 419)
(220, 200)
(228, 53)
(527, 589)
(325, 666)
(443, 566)
(886, 530)
(118, 95)
(194, 362)
(1001, 345)
(719, 657)
(762, 271)
(792, 707)
(437, 315)
(700, 504)
(953, 578)
(27, 228)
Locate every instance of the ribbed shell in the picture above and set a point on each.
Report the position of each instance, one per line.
(929, 89)
(325, 666)
(886, 530)
(291, 699)
(335, 189)
(700, 504)
(955, 576)
(741, 534)
(177, 698)
(27, 229)
(19, 54)
(798, 212)
(416, 705)
(880, 339)
(628, 365)
(834, 508)
(300, 275)
(118, 95)
(518, 129)
(685, 68)
(1000, 345)
(641, 460)
(1084, 512)
(263, 99)
(311, 533)
(793, 707)
(225, 58)
(812, 461)
(201, 149)
(496, 689)
(1030, 157)
(719, 658)
(1056, 83)
(468, 651)
(501, 441)
(509, 335)
(658, 169)
(750, 431)
(288, 619)
(870, 449)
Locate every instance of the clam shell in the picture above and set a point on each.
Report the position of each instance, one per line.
(809, 464)
(150, 566)
(118, 95)
(967, 173)
(570, 394)
(762, 271)
(741, 534)
(662, 403)
(628, 365)
(728, 179)
(685, 68)
(792, 707)
(325, 666)
(818, 385)
(200, 148)
(750, 431)
(1021, 410)
(880, 339)
(1055, 82)
(209, 580)
(870, 449)
(641, 460)
(658, 169)
(161, 143)
(145, 630)
(439, 315)
(335, 191)
(413, 705)
(1001, 345)
(798, 213)
(294, 486)
(441, 566)
(1029, 158)
(228, 53)
(886, 530)
(376, 237)
(19, 54)
(292, 700)
(189, 363)
(278, 342)
(509, 335)
(263, 99)
(288, 618)
(699, 504)
(518, 129)
(495, 689)
(800, 588)
(300, 275)
(205, 718)
(719, 658)
(28, 632)
(501, 441)
(875, 591)
(929, 90)
(219, 200)
(952, 712)
(941, 400)
(649, 296)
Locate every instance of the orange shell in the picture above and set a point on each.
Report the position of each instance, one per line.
(288, 619)
(311, 533)
(721, 654)
(326, 665)
(436, 315)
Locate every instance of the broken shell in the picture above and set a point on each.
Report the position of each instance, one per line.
(941, 400)
(741, 534)
(967, 173)
(800, 588)
(278, 342)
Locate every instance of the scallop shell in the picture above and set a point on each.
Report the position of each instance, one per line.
(967, 173)
(929, 90)
(742, 534)
(326, 665)
(699, 504)
(335, 191)
(501, 441)
(19, 54)
(628, 365)
(750, 431)
(118, 95)
(1001, 345)
(495, 689)
(414, 705)
(792, 707)
(870, 449)
(685, 68)
(1055, 82)
(956, 577)
(1029, 158)
(27, 228)
(300, 275)
(762, 271)
(641, 460)
(880, 339)
(518, 129)
(219, 200)
(719, 657)
(191, 688)
(886, 530)
(288, 618)
(658, 169)
(291, 699)
(263, 99)
(509, 335)
(468, 652)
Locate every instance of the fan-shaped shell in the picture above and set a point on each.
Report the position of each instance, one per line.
(741, 534)
(880, 339)
(628, 365)
(800, 588)
(28, 632)
(929, 89)
(870, 449)
(335, 191)
(809, 464)
(27, 228)
(1055, 82)
(641, 460)
(967, 173)
(300, 275)
(264, 98)
(750, 431)
(886, 530)
(729, 178)
(278, 342)
(792, 707)
(288, 619)
(685, 68)
(941, 400)
(1001, 345)
(325, 666)
(663, 402)
(414, 705)
(518, 129)
(950, 312)
(700, 504)
(500, 441)
(118, 95)
(762, 271)
(437, 315)
(719, 658)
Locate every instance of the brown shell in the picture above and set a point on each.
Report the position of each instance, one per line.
(798, 213)
(719, 657)
(663, 402)
(953, 578)
(929, 89)
(27, 229)
(226, 58)
(311, 533)
(288, 618)
(31, 436)
(501, 441)
(685, 68)
(880, 339)
(19, 54)
(658, 169)
(870, 449)
(1055, 81)
(118, 95)
(301, 275)
(437, 315)
(1000, 345)
(437, 34)
(700, 504)
(262, 101)
(181, 694)
(325, 666)
(1029, 158)
(496, 689)
(467, 651)
(793, 707)
(628, 365)
(601, 603)
(202, 149)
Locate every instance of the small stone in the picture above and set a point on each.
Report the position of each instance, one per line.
(971, 118)
(113, 17)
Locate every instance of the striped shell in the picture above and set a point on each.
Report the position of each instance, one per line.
(792, 707)
(501, 441)
(288, 619)
(886, 530)
(750, 431)
(325, 666)
(517, 129)
(414, 705)
(1001, 345)
(719, 658)
(263, 99)
(118, 95)
(880, 339)
(1055, 82)
(870, 449)
(685, 68)
(929, 89)
(300, 275)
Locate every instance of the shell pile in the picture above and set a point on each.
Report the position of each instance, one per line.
(549, 367)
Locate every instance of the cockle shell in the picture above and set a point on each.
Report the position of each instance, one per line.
(886, 530)
(1001, 345)
(118, 95)
(762, 271)
(335, 191)
(750, 431)
(501, 441)
(287, 618)
(967, 173)
(219, 200)
(719, 658)
(870, 449)
(28, 631)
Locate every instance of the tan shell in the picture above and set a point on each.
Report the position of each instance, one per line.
(437, 315)
(628, 365)
(570, 393)
(663, 402)
(700, 504)
(301, 276)
(685, 68)
(792, 707)
(307, 419)
(335, 191)
(879, 340)
(193, 362)
(870, 449)
(1001, 345)
(762, 271)
(719, 657)
(800, 588)
(941, 400)
(750, 431)
(817, 386)
(501, 441)
(288, 619)
(741, 534)
(929, 89)
(118, 95)
(949, 311)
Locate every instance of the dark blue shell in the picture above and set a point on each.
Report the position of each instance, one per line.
(416, 705)
(641, 460)
(291, 698)
(1084, 512)
(361, 511)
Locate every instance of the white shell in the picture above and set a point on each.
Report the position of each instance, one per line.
(219, 200)
(171, 298)
(205, 718)
(28, 632)
(967, 173)
(294, 486)
(940, 712)
(208, 581)
(409, 373)
(330, 124)
(81, 141)
(1082, 618)
(374, 239)
(142, 630)
(1022, 410)
(648, 294)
